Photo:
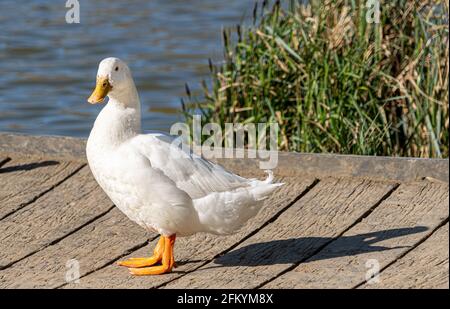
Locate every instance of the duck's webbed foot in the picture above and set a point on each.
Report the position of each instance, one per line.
(146, 261)
(163, 253)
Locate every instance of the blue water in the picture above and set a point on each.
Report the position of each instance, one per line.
(48, 67)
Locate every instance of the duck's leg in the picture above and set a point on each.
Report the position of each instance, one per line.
(143, 262)
(167, 261)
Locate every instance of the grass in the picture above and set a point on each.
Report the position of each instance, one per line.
(334, 81)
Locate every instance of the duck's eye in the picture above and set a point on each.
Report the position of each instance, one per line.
(117, 69)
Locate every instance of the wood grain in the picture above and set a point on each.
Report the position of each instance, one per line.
(335, 214)
(192, 252)
(425, 267)
(56, 214)
(411, 213)
(90, 248)
(289, 163)
(321, 215)
(23, 180)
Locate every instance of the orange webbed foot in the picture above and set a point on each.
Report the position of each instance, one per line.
(149, 261)
(163, 252)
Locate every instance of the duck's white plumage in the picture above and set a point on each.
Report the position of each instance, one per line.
(153, 181)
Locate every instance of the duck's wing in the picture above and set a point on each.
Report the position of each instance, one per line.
(191, 173)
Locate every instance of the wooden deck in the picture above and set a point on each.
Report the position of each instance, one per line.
(337, 219)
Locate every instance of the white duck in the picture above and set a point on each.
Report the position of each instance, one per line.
(155, 183)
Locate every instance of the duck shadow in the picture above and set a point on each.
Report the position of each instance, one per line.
(27, 167)
(295, 250)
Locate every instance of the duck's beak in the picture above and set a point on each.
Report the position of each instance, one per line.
(101, 90)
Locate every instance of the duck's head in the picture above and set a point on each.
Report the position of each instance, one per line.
(113, 80)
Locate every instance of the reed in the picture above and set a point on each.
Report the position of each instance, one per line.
(334, 80)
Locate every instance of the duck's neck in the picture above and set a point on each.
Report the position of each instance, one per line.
(119, 120)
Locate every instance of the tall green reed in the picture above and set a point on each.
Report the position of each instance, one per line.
(334, 80)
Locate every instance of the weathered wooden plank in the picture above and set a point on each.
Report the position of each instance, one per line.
(424, 267)
(59, 147)
(90, 248)
(59, 212)
(23, 180)
(325, 212)
(411, 213)
(192, 252)
(289, 164)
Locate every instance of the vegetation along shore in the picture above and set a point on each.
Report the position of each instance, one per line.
(337, 77)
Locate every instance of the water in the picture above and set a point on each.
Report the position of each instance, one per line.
(48, 67)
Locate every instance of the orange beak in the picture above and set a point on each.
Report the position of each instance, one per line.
(101, 90)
